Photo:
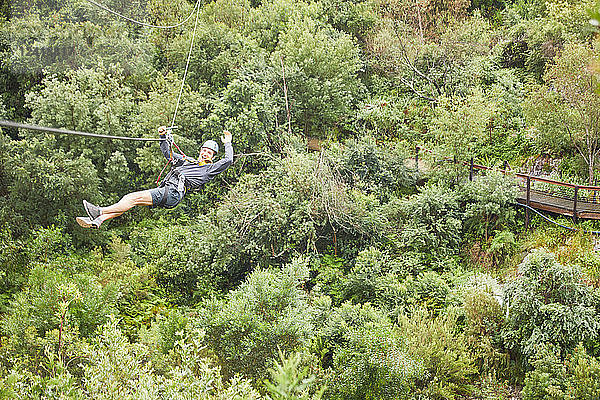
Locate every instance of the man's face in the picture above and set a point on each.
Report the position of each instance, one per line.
(206, 154)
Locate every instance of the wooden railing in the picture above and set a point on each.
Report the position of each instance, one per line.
(558, 197)
(588, 205)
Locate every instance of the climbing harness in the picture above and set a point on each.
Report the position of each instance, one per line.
(184, 157)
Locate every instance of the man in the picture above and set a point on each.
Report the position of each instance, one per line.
(186, 174)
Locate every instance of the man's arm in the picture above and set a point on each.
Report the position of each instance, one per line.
(224, 163)
(165, 145)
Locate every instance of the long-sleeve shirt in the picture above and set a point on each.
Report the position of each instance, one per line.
(196, 175)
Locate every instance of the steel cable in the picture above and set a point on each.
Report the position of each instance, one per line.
(11, 124)
(144, 23)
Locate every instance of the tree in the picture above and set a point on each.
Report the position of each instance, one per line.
(321, 69)
(569, 104)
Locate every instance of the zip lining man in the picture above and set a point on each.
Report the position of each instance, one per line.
(186, 174)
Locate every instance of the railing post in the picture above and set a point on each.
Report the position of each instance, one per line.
(471, 171)
(417, 158)
(527, 201)
(575, 204)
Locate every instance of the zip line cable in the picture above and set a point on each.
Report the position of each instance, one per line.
(11, 124)
(144, 23)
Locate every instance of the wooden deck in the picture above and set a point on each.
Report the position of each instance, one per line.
(559, 205)
(584, 203)
(580, 202)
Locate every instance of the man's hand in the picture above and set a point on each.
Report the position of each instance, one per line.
(226, 138)
(169, 136)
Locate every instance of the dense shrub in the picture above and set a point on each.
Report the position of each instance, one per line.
(40, 303)
(433, 221)
(577, 377)
(119, 368)
(375, 279)
(190, 261)
(380, 170)
(365, 351)
(269, 310)
(444, 353)
(45, 186)
(298, 204)
(489, 201)
(549, 303)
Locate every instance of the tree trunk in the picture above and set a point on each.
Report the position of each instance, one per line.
(591, 179)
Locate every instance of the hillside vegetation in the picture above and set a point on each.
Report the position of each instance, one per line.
(325, 263)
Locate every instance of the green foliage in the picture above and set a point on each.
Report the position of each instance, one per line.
(329, 280)
(219, 51)
(46, 244)
(71, 39)
(549, 379)
(321, 67)
(92, 100)
(269, 310)
(298, 204)
(374, 279)
(354, 17)
(375, 169)
(574, 378)
(430, 291)
(365, 351)
(530, 45)
(565, 119)
(290, 380)
(488, 203)
(38, 304)
(323, 255)
(190, 261)
(169, 328)
(271, 18)
(461, 124)
(585, 371)
(45, 185)
(502, 246)
(117, 367)
(373, 365)
(548, 303)
(433, 222)
(13, 266)
(443, 352)
(484, 322)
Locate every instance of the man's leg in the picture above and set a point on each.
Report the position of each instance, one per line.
(130, 200)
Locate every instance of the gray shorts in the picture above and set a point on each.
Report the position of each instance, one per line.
(173, 196)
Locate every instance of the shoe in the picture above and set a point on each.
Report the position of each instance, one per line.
(86, 222)
(92, 210)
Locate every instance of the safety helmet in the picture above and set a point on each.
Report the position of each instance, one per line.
(211, 144)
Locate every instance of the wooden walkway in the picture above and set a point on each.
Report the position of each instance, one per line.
(579, 201)
(559, 205)
(540, 193)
